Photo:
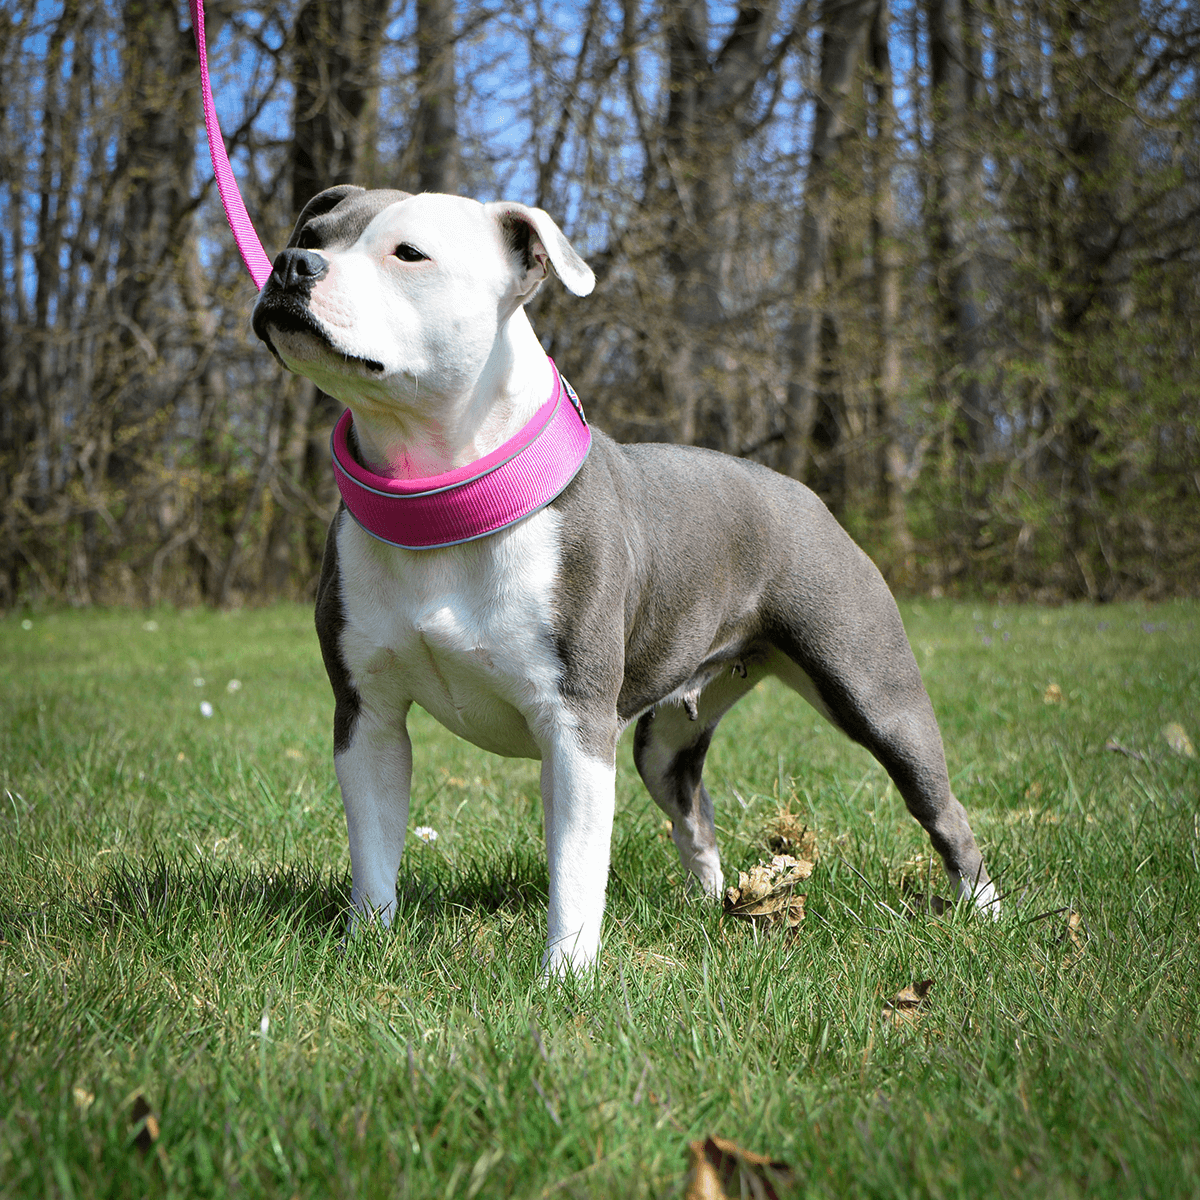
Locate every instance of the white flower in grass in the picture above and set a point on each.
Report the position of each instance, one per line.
(426, 833)
(234, 685)
(198, 681)
(206, 709)
(27, 624)
(150, 626)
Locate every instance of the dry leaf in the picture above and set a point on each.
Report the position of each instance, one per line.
(786, 833)
(1071, 935)
(905, 1006)
(766, 893)
(1053, 695)
(1074, 924)
(720, 1169)
(145, 1124)
(1116, 748)
(1178, 740)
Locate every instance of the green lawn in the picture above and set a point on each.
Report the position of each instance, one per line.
(174, 889)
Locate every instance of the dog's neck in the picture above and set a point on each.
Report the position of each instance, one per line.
(457, 419)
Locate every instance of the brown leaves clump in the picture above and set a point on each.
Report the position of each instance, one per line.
(905, 1008)
(145, 1124)
(787, 834)
(766, 894)
(721, 1169)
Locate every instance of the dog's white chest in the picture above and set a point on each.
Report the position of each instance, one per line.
(464, 631)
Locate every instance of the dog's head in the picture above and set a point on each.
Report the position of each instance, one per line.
(382, 290)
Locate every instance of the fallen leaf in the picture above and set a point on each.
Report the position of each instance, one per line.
(1053, 695)
(1178, 740)
(1070, 934)
(788, 833)
(1074, 924)
(145, 1124)
(766, 895)
(721, 1168)
(905, 1006)
(1113, 745)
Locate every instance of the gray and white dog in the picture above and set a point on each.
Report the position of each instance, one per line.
(659, 587)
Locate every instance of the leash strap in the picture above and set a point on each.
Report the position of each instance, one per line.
(253, 254)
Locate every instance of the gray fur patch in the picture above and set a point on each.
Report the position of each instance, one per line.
(330, 617)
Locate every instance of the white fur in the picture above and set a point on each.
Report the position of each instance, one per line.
(462, 633)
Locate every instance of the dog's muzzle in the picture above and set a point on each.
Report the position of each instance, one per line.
(283, 304)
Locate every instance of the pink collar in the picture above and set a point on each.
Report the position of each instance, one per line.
(470, 502)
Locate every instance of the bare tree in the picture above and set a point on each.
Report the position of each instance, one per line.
(435, 128)
(887, 262)
(336, 76)
(796, 253)
(711, 110)
(845, 26)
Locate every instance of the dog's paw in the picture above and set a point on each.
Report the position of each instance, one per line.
(708, 885)
(983, 896)
(560, 966)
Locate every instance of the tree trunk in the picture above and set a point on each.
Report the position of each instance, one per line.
(960, 363)
(435, 129)
(707, 118)
(888, 261)
(1096, 300)
(156, 168)
(843, 40)
(336, 70)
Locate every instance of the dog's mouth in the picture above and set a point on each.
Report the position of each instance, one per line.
(278, 313)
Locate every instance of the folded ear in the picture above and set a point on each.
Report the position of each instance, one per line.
(534, 240)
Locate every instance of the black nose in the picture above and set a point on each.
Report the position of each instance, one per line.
(297, 268)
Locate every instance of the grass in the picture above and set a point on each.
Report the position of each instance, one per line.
(178, 1015)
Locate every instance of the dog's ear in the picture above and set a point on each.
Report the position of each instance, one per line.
(536, 241)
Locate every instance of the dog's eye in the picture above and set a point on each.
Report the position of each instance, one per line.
(408, 253)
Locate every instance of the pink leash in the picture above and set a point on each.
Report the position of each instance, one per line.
(253, 254)
(504, 487)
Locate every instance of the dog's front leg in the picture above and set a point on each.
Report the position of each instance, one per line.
(375, 774)
(578, 799)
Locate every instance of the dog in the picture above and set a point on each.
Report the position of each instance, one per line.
(657, 586)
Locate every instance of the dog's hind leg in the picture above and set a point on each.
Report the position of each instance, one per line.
(864, 679)
(669, 748)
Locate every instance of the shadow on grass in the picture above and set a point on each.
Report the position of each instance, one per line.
(309, 899)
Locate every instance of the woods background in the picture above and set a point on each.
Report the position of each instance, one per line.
(939, 260)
